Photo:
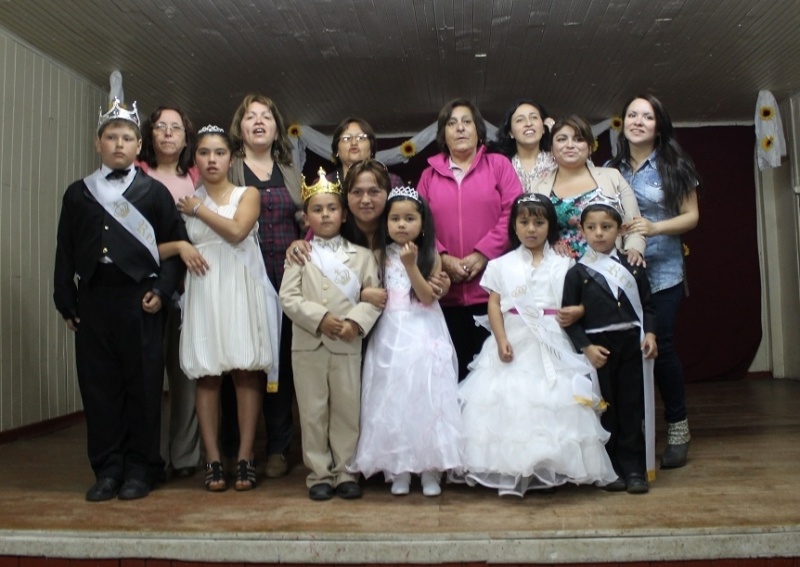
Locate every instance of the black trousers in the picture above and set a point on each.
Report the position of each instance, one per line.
(467, 337)
(120, 363)
(622, 388)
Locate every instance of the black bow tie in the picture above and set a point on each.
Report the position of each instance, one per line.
(118, 174)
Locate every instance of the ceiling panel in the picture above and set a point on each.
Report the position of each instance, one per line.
(396, 62)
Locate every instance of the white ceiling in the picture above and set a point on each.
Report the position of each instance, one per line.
(395, 62)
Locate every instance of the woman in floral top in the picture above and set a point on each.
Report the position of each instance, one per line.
(524, 138)
(576, 181)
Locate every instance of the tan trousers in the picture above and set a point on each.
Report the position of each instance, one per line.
(180, 441)
(328, 388)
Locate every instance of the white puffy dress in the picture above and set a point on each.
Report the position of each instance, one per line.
(410, 418)
(225, 321)
(524, 427)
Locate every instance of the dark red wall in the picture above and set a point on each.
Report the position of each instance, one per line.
(719, 326)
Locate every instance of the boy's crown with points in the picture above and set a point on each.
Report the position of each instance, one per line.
(321, 186)
(118, 112)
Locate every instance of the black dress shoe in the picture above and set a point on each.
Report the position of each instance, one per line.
(133, 489)
(104, 489)
(637, 484)
(618, 485)
(349, 490)
(321, 491)
(184, 472)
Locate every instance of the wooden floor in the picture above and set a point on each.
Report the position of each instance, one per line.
(738, 497)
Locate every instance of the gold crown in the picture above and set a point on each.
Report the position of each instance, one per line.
(321, 186)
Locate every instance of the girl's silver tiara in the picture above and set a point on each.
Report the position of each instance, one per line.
(409, 192)
(532, 198)
(210, 129)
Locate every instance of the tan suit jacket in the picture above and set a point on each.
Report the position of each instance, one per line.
(307, 295)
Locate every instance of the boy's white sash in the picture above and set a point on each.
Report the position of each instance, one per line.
(335, 270)
(585, 386)
(110, 197)
(618, 275)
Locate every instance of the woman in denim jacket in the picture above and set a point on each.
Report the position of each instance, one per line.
(665, 182)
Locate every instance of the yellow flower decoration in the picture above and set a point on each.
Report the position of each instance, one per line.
(295, 131)
(408, 149)
(595, 146)
(767, 113)
(766, 143)
(685, 249)
(616, 123)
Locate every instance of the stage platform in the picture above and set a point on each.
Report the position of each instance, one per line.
(738, 499)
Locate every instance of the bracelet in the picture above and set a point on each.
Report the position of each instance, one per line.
(194, 209)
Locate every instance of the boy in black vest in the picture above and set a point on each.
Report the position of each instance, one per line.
(615, 331)
(108, 234)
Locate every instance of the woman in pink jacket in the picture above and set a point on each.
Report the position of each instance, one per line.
(470, 194)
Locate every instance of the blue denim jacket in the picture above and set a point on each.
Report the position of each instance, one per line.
(664, 254)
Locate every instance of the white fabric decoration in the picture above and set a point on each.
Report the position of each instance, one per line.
(115, 81)
(769, 131)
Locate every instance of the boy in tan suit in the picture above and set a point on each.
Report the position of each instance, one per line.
(322, 298)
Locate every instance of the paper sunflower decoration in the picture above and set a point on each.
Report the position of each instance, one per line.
(769, 131)
(408, 149)
(595, 145)
(295, 131)
(616, 123)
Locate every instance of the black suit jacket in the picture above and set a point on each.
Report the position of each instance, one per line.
(86, 232)
(585, 286)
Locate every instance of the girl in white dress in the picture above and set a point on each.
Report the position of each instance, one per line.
(410, 419)
(528, 404)
(226, 326)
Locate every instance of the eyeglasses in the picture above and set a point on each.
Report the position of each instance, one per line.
(347, 138)
(163, 127)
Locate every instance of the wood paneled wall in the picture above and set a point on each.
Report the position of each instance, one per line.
(47, 120)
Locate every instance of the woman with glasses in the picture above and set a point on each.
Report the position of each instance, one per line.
(167, 155)
(354, 141)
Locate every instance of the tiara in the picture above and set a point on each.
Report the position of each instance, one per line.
(321, 186)
(409, 192)
(599, 198)
(118, 112)
(532, 198)
(210, 129)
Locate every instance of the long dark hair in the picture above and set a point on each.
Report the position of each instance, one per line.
(536, 205)
(350, 229)
(505, 144)
(425, 241)
(678, 174)
(148, 152)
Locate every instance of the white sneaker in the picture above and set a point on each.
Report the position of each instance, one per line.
(430, 484)
(401, 484)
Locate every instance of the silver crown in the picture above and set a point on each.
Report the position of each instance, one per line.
(599, 198)
(118, 112)
(409, 192)
(210, 129)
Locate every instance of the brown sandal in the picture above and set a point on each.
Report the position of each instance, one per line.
(245, 475)
(215, 477)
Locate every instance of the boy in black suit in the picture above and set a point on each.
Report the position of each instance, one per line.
(615, 331)
(110, 226)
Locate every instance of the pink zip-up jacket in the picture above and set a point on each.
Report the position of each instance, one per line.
(471, 217)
